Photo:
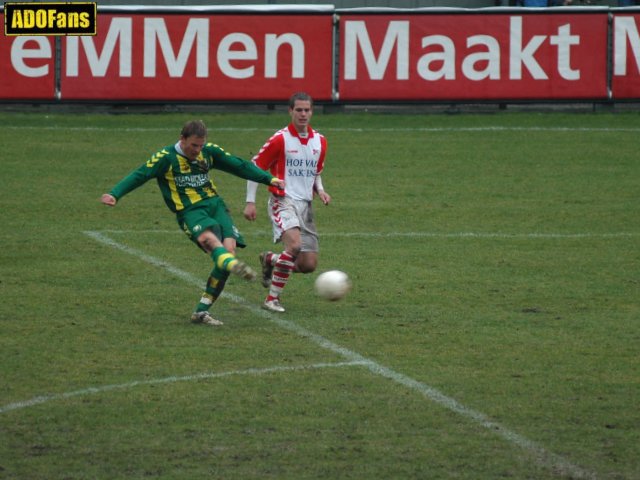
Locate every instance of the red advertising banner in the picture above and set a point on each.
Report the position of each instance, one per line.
(625, 79)
(260, 54)
(200, 57)
(27, 67)
(473, 56)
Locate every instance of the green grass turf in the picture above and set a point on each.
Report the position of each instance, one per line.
(492, 330)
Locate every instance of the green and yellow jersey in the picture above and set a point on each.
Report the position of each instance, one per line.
(183, 182)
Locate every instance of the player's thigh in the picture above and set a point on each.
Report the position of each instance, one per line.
(228, 229)
(292, 240)
(283, 216)
(196, 221)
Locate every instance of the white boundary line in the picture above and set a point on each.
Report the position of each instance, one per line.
(486, 235)
(187, 378)
(479, 235)
(541, 456)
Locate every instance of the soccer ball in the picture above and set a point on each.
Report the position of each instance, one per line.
(332, 285)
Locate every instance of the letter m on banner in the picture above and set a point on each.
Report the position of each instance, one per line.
(356, 39)
(626, 56)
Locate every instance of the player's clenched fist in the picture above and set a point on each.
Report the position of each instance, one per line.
(108, 199)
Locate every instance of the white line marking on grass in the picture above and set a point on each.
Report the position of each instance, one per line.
(549, 235)
(187, 378)
(338, 129)
(483, 129)
(542, 456)
(485, 235)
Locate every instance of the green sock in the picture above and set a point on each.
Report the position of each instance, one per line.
(215, 285)
(222, 259)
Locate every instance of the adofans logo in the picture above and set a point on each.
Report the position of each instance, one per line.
(50, 18)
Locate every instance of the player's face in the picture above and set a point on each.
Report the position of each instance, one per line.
(301, 114)
(192, 146)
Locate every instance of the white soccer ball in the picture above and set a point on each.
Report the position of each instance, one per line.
(332, 285)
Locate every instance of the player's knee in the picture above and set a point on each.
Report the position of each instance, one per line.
(230, 245)
(208, 241)
(307, 265)
(293, 250)
(203, 243)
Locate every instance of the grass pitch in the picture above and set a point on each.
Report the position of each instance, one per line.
(492, 330)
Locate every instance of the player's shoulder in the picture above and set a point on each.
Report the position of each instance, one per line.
(280, 133)
(277, 137)
(212, 146)
(214, 150)
(319, 137)
(164, 153)
(167, 149)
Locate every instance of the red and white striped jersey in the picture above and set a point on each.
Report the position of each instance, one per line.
(294, 159)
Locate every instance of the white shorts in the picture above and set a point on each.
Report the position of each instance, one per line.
(286, 214)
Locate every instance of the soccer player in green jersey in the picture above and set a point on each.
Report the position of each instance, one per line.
(182, 173)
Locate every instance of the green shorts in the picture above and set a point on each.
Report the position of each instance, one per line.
(210, 214)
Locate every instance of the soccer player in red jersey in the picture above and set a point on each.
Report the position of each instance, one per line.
(295, 154)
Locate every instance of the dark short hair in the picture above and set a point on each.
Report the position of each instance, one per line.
(302, 96)
(194, 127)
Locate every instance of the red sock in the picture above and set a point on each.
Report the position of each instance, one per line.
(281, 272)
